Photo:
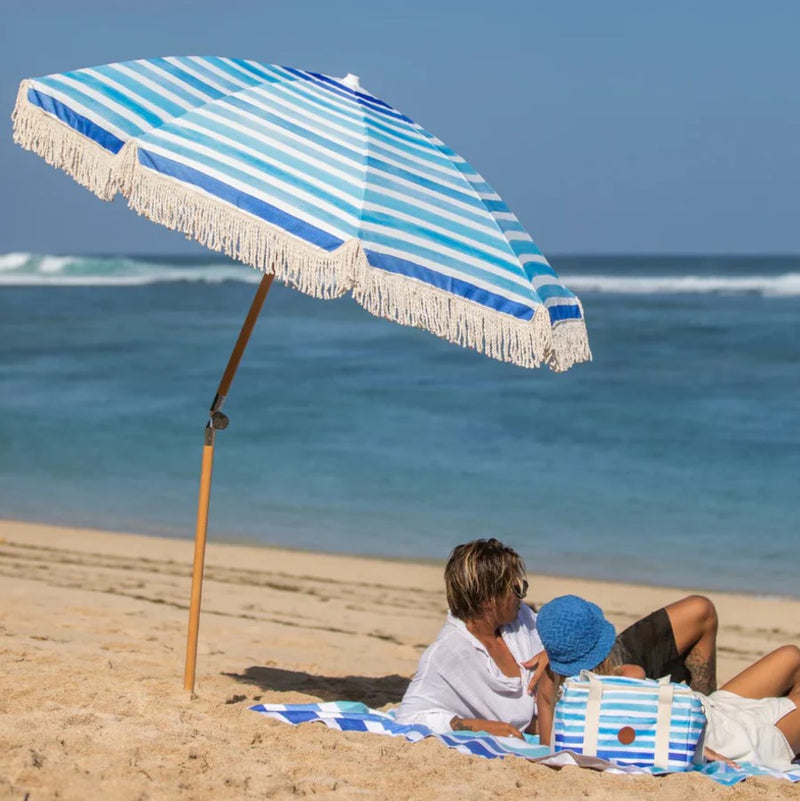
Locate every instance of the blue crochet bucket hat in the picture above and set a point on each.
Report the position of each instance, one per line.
(575, 634)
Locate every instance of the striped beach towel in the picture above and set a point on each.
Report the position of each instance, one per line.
(352, 716)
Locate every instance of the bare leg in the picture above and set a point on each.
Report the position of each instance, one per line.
(790, 725)
(694, 625)
(774, 675)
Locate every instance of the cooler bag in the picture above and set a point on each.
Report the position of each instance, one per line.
(639, 722)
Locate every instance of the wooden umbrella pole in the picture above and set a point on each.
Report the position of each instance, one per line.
(217, 421)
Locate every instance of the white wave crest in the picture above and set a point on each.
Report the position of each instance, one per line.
(54, 264)
(244, 275)
(27, 269)
(13, 261)
(786, 285)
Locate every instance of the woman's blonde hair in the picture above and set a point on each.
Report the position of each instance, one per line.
(478, 573)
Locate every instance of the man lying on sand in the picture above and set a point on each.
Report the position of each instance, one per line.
(480, 672)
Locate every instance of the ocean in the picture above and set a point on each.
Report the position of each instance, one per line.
(672, 458)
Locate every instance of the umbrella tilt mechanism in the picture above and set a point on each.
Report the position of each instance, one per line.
(217, 421)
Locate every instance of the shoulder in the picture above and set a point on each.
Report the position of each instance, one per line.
(452, 642)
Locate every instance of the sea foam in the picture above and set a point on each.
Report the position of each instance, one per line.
(786, 285)
(13, 261)
(28, 269)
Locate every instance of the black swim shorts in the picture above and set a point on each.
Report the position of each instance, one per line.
(650, 643)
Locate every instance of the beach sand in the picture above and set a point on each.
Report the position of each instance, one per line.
(92, 703)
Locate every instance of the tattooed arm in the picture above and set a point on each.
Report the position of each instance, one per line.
(702, 668)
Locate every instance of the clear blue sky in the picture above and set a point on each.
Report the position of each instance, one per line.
(609, 127)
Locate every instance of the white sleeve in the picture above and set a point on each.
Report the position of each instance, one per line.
(437, 720)
(429, 698)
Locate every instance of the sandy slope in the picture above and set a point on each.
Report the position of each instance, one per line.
(92, 638)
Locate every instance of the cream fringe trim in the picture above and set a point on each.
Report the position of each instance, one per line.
(244, 237)
(87, 162)
(570, 343)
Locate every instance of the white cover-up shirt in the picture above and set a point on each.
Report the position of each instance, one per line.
(456, 677)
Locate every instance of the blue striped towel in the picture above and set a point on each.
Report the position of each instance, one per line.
(354, 716)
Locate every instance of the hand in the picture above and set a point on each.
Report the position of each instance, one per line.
(713, 756)
(494, 727)
(538, 664)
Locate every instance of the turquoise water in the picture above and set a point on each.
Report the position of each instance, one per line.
(672, 458)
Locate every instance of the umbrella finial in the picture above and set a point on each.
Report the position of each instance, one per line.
(351, 82)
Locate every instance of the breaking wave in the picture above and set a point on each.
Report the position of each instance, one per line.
(29, 269)
(785, 285)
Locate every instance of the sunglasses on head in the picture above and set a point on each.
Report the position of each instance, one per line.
(520, 588)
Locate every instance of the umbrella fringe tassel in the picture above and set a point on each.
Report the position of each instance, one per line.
(570, 344)
(61, 146)
(525, 343)
(411, 302)
(240, 235)
(313, 271)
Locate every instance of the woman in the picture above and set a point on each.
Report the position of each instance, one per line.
(753, 718)
(481, 671)
(475, 676)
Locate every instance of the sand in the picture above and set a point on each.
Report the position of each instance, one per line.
(92, 704)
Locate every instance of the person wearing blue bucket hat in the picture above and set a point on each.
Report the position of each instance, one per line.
(575, 634)
(752, 718)
(482, 670)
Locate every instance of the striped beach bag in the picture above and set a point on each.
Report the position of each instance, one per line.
(639, 722)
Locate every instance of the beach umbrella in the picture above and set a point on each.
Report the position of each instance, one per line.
(315, 181)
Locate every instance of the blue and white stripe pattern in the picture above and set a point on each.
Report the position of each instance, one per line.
(352, 716)
(316, 180)
(355, 716)
(633, 707)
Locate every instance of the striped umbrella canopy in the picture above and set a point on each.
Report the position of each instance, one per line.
(316, 181)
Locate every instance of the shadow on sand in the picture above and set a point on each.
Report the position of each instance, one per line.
(374, 691)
